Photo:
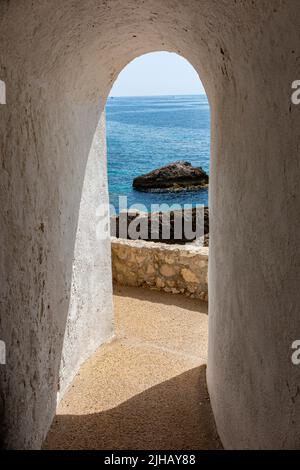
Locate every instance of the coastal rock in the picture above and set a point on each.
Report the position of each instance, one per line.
(163, 227)
(177, 176)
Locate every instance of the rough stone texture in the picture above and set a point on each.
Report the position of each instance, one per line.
(59, 60)
(121, 397)
(173, 269)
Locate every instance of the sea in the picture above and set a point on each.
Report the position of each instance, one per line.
(145, 133)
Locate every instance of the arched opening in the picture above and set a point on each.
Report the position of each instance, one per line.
(160, 291)
(56, 287)
(91, 265)
(157, 113)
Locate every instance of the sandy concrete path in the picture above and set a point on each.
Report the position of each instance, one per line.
(146, 389)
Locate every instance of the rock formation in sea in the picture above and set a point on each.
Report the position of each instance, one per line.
(176, 176)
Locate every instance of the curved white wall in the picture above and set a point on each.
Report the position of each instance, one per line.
(59, 60)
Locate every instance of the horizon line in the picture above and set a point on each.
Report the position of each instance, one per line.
(146, 96)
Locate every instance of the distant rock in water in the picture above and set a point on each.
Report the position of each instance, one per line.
(177, 176)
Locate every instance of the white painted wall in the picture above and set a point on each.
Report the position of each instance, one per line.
(90, 317)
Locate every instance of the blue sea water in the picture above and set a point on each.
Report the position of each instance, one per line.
(145, 133)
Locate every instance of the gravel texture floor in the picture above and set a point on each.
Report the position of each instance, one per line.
(147, 388)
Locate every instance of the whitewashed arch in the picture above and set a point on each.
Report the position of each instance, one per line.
(59, 60)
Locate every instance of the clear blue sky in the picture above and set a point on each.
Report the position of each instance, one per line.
(158, 73)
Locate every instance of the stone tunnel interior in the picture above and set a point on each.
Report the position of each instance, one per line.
(59, 61)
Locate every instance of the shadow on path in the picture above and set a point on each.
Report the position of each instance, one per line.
(174, 414)
(146, 294)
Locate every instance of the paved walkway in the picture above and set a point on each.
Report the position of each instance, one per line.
(147, 388)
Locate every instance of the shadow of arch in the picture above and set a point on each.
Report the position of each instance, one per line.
(174, 414)
(178, 300)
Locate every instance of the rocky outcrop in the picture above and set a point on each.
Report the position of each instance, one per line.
(177, 176)
(163, 227)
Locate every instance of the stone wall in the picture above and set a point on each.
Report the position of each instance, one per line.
(172, 268)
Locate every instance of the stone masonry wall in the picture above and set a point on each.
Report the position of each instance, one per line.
(170, 268)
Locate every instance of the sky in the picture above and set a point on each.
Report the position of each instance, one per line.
(158, 73)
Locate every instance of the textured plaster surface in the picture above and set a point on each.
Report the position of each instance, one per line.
(59, 60)
(147, 388)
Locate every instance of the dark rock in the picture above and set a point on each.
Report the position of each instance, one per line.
(160, 226)
(177, 176)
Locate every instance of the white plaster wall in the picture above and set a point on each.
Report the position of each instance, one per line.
(90, 316)
(59, 60)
